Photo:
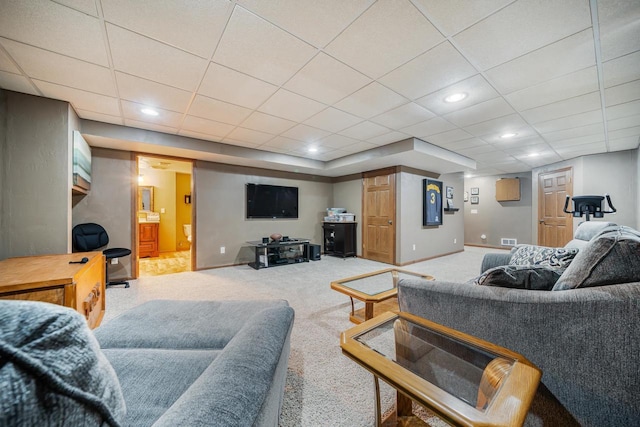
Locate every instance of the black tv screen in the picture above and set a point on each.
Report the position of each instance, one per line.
(271, 201)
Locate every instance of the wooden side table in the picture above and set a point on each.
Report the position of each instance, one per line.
(51, 278)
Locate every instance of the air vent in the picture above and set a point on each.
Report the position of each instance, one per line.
(508, 242)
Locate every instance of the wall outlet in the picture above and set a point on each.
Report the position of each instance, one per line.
(114, 260)
(414, 247)
(162, 210)
(455, 241)
(222, 249)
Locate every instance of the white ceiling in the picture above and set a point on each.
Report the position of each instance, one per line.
(260, 81)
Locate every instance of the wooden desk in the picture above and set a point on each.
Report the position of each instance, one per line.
(50, 278)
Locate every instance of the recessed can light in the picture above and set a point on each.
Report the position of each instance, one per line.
(312, 150)
(149, 112)
(455, 97)
(508, 135)
(534, 154)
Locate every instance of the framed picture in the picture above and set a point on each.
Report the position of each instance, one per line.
(466, 196)
(449, 192)
(449, 203)
(475, 200)
(475, 191)
(431, 202)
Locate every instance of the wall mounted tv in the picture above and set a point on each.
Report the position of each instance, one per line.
(271, 201)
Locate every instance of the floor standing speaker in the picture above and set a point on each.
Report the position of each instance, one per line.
(314, 252)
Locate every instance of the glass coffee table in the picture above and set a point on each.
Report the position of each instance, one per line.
(378, 290)
(462, 379)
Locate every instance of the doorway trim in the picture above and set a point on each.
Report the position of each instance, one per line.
(391, 218)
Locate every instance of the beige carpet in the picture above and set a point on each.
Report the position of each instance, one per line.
(324, 388)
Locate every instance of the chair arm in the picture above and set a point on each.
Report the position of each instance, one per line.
(494, 260)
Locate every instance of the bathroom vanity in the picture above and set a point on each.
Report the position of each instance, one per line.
(148, 239)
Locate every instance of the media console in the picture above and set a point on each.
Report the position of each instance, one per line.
(279, 252)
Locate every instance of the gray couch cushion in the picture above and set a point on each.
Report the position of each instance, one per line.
(51, 369)
(542, 255)
(611, 257)
(534, 277)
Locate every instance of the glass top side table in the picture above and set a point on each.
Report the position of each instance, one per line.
(464, 380)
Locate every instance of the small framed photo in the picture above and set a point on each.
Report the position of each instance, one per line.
(475, 200)
(449, 192)
(466, 196)
(449, 203)
(475, 191)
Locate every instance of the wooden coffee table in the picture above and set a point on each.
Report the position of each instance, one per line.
(378, 290)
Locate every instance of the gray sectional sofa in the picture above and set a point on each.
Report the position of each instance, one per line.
(163, 363)
(583, 335)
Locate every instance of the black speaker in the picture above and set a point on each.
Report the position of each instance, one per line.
(265, 240)
(314, 252)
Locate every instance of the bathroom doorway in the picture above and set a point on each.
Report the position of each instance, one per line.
(164, 215)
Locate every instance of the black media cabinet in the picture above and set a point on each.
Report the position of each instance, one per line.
(340, 238)
(280, 252)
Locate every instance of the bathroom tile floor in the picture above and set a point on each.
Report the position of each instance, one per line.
(166, 263)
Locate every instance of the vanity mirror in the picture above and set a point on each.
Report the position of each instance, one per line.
(145, 198)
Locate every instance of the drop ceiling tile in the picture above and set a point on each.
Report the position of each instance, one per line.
(282, 143)
(55, 68)
(358, 147)
(623, 110)
(326, 80)
(336, 141)
(150, 126)
(81, 100)
(594, 129)
(388, 138)
(206, 127)
(291, 106)
(494, 156)
(140, 56)
(84, 6)
(588, 139)
(453, 16)
(621, 70)
(622, 93)
(98, 117)
(132, 111)
(333, 120)
(266, 123)
(219, 111)
(522, 27)
(449, 136)
(231, 86)
(464, 144)
(481, 112)
(305, 133)
(370, 101)
(570, 152)
(568, 122)
(365, 130)
(16, 83)
(258, 48)
(473, 152)
(433, 70)
(403, 116)
(562, 57)
(316, 22)
(628, 143)
(6, 64)
(499, 126)
(195, 28)
(526, 150)
(558, 89)
(54, 27)
(370, 44)
(151, 93)
(429, 127)
(619, 29)
(197, 135)
(623, 133)
(524, 136)
(624, 122)
(476, 88)
(568, 107)
(248, 135)
(239, 143)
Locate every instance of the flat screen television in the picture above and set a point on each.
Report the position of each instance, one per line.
(271, 201)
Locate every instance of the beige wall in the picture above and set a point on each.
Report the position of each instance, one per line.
(183, 210)
(497, 220)
(36, 176)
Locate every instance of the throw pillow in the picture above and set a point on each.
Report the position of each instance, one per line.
(611, 257)
(533, 277)
(52, 369)
(542, 255)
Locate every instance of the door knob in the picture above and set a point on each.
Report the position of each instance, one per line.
(541, 221)
(390, 222)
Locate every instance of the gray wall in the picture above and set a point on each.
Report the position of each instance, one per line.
(638, 188)
(36, 176)
(110, 202)
(429, 241)
(597, 174)
(497, 219)
(220, 211)
(3, 137)
(347, 193)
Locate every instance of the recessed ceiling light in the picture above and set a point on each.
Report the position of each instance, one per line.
(312, 150)
(468, 175)
(534, 154)
(508, 135)
(149, 111)
(455, 97)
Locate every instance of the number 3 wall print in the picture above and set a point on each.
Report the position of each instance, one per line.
(432, 202)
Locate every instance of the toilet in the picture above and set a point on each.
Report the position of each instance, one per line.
(187, 231)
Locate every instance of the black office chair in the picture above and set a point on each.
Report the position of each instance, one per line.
(90, 237)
